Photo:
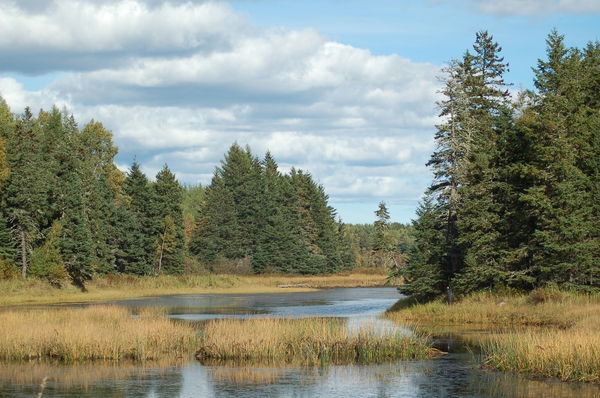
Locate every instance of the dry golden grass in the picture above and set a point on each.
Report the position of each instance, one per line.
(486, 310)
(99, 332)
(570, 355)
(17, 291)
(551, 333)
(307, 340)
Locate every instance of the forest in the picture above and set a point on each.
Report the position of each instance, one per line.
(515, 197)
(67, 212)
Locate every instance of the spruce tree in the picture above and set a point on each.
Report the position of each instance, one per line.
(279, 244)
(144, 225)
(563, 248)
(170, 245)
(101, 182)
(217, 232)
(25, 192)
(426, 275)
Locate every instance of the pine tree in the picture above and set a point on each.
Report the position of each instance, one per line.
(563, 248)
(240, 173)
(169, 246)
(381, 243)
(479, 218)
(101, 182)
(217, 231)
(426, 274)
(279, 244)
(381, 227)
(144, 226)
(25, 192)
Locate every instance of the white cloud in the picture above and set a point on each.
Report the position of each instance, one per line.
(360, 123)
(537, 7)
(77, 34)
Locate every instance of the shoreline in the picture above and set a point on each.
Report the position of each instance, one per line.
(547, 333)
(35, 292)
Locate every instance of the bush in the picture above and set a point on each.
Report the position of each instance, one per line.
(46, 260)
(7, 269)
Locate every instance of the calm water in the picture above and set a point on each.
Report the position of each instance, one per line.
(454, 375)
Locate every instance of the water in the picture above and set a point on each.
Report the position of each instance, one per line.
(453, 375)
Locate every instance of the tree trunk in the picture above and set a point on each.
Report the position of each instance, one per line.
(23, 254)
(162, 250)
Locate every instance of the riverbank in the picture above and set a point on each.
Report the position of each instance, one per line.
(546, 333)
(111, 287)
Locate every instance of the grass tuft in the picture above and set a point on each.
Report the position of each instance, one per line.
(93, 333)
(307, 340)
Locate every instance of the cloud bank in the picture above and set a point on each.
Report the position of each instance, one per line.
(179, 82)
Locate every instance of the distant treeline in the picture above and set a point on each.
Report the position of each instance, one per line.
(515, 200)
(66, 211)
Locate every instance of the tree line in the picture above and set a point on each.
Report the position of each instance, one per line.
(67, 211)
(274, 222)
(515, 198)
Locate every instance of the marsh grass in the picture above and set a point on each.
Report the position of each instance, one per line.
(544, 307)
(306, 340)
(570, 355)
(546, 333)
(93, 333)
(17, 291)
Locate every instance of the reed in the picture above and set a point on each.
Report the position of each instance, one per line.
(543, 307)
(307, 340)
(546, 333)
(93, 333)
(570, 355)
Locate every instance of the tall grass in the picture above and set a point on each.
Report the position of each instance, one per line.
(99, 332)
(550, 333)
(544, 307)
(307, 340)
(32, 291)
(570, 355)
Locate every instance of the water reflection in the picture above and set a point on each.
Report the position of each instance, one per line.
(453, 375)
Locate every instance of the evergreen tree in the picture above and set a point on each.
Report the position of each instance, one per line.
(563, 248)
(479, 218)
(279, 245)
(425, 274)
(381, 227)
(169, 246)
(101, 182)
(217, 231)
(240, 173)
(26, 191)
(46, 260)
(145, 225)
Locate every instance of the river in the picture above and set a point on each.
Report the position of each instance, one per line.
(453, 375)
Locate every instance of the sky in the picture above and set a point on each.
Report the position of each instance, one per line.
(345, 89)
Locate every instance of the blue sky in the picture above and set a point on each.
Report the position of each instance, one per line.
(343, 89)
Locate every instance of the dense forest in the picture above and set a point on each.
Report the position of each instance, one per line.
(67, 212)
(515, 199)
(276, 222)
